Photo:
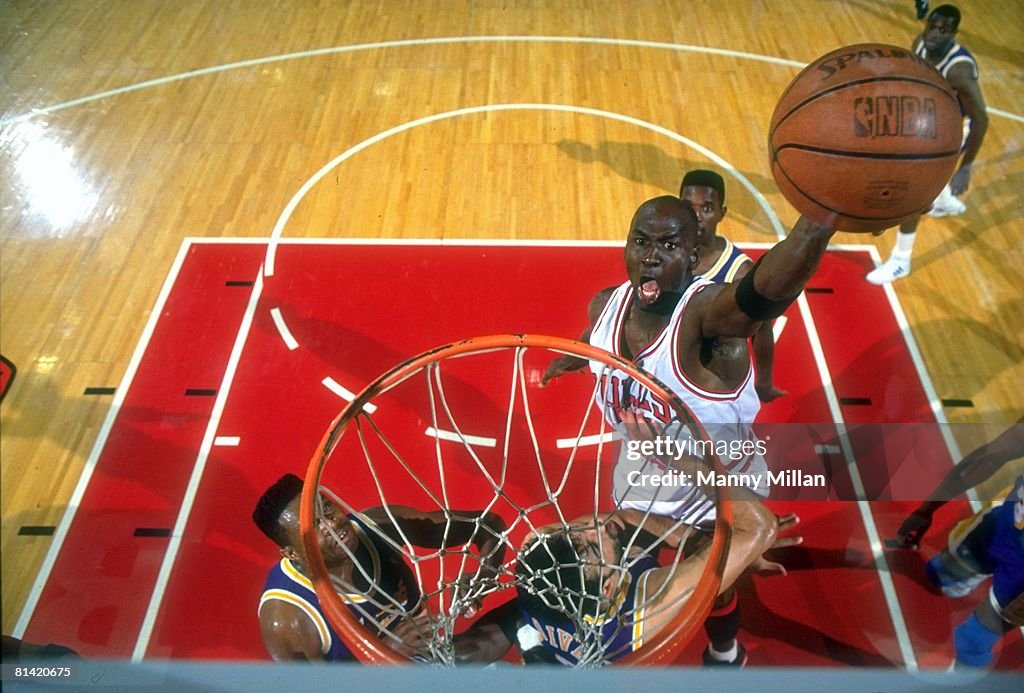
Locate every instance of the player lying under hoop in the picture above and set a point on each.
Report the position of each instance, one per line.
(380, 588)
(591, 592)
(692, 335)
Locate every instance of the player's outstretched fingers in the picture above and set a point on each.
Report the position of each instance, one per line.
(639, 427)
(911, 531)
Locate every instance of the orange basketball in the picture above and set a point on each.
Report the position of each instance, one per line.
(865, 137)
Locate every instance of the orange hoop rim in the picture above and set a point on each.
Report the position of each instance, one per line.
(366, 646)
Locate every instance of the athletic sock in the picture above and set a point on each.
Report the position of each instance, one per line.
(723, 625)
(904, 245)
(727, 656)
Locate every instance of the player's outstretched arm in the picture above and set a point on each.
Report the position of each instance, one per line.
(736, 309)
(567, 364)
(440, 530)
(975, 468)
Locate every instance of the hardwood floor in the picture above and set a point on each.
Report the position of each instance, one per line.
(128, 125)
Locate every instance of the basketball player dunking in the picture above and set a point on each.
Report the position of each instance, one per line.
(691, 334)
(958, 67)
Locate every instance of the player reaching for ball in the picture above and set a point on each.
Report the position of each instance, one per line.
(937, 45)
(691, 334)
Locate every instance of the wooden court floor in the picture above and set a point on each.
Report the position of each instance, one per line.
(127, 126)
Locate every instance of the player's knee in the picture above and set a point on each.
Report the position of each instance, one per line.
(951, 578)
(974, 643)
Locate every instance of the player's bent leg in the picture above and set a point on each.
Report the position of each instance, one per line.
(974, 643)
(966, 562)
(722, 626)
(951, 576)
(975, 638)
(1013, 611)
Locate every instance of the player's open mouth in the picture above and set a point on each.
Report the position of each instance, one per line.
(648, 291)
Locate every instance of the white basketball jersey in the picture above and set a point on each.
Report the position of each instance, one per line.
(726, 416)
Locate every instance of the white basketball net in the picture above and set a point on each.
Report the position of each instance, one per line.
(420, 444)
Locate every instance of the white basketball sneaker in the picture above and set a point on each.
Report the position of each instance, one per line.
(889, 271)
(947, 205)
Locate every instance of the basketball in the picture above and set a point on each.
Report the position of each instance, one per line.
(865, 137)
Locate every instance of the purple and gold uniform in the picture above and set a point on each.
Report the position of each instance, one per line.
(731, 261)
(622, 628)
(989, 543)
(389, 574)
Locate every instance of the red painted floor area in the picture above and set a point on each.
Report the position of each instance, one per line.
(355, 311)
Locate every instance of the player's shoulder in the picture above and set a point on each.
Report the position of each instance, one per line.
(599, 301)
(962, 72)
(703, 293)
(287, 630)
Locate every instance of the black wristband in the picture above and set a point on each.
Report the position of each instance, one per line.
(756, 306)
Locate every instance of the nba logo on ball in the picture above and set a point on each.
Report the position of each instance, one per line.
(865, 137)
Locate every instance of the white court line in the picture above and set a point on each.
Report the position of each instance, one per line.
(254, 62)
(874, 540)
(227, 441)
(346, 394)
(283, 330)
(441, 434)
(434, 242)
(596, 439)
(296, 199)
(60, 534)
(779, 326)
(496, 242)
(864, 507)
(178, 532)
(922, 373)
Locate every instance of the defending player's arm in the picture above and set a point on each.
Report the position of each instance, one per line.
(974, 469)
(487, 640)
(776, 280)
(962, 78)
(754, 531)
(434, 530)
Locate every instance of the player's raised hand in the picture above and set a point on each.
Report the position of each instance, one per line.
(913, 529)
(639, 427)
(763, 566)
(414, 634)
(561, 366)
(961, 181)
